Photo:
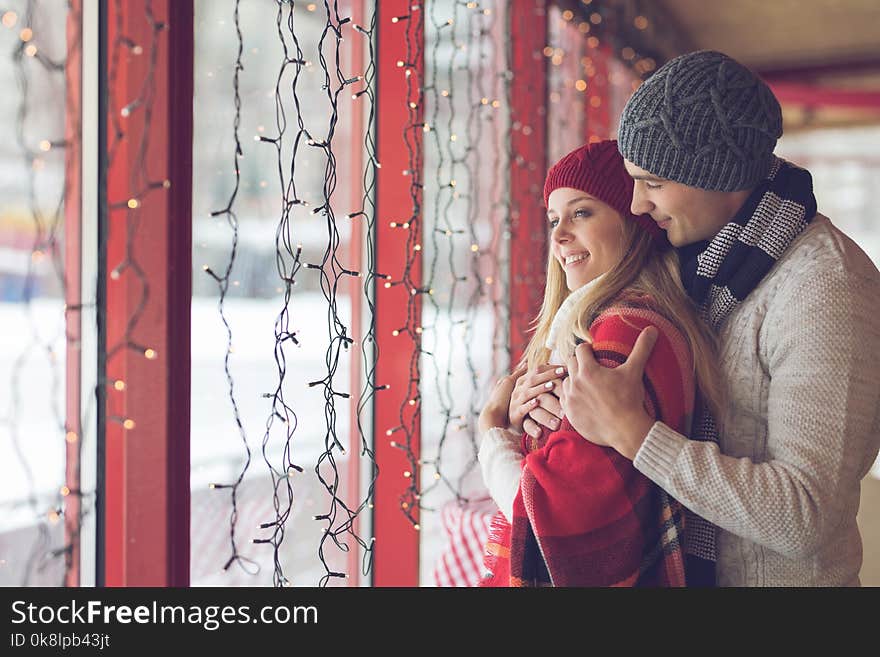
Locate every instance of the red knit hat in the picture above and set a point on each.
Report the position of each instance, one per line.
(598, 170)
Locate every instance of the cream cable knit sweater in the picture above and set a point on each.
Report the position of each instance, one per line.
(801, 356)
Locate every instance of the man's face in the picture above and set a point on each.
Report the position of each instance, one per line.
(687, 214)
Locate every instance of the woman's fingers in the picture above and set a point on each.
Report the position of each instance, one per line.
(541, 374)
(527, 394)
(545, 418)
(550, 403)
(532, 428)
(542, 380)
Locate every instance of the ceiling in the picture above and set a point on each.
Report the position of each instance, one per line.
(781, 33)
(802, 47)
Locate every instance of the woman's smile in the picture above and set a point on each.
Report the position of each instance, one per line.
(575, 259)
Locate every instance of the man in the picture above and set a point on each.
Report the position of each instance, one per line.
(794, 303)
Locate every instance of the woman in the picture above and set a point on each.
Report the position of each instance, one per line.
(573, 513)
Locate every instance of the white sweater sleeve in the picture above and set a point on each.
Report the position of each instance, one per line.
(823, 360)
(500, 459)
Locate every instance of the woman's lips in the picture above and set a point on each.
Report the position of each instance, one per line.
(577, 262)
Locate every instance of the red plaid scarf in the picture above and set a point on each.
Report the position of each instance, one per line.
(584, 516)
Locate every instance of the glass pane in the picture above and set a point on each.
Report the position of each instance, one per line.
(588, 83)
(465, 264)
(255, 300)
(32, 241)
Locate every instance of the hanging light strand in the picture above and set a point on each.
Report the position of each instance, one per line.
(35, 70)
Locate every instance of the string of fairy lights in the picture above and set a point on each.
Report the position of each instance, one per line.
(458, 212)
(40, 71)
(625, 31)
(479, 40)
(369, 354)
(409, 415)
(460, 219)
(327, 467)
(443, 186)
(597, 24)
(497, 255)
(445, 229)
(465, 273)
(295, 143)
(223, 281)
(126, 269)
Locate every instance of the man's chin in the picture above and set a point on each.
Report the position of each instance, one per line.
(675, 239)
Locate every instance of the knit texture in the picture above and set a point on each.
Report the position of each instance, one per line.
(704, 120)
(583, 515)
(720, 273)
(597, 169)
(801, 355)
(563, 319)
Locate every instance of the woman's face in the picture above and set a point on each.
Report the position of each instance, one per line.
(586, 236)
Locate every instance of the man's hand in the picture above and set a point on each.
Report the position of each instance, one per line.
(605, 405)
(494, 413)
(533, 402)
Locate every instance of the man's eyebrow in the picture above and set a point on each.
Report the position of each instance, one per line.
(647, 176)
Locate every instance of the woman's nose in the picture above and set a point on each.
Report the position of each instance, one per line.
(560, 232)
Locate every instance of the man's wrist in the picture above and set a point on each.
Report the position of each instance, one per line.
(631, 439)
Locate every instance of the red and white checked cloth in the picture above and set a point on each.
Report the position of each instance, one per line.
(466, 527)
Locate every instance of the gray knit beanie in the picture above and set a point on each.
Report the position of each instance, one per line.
(704, 120)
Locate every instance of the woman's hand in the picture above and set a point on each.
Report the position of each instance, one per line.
(494, 413)
(534, 401)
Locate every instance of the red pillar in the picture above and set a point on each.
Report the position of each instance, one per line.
(398, 198)
(148, 293)
(528, 116)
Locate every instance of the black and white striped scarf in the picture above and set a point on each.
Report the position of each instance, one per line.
(718, 275)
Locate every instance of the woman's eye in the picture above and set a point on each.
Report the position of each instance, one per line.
(581, 212)
(553, 223)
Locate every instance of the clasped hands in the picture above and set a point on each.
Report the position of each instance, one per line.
(604, 405)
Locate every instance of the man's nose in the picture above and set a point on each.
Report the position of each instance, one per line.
(640, 203)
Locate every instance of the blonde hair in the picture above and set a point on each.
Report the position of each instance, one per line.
(643, 270)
